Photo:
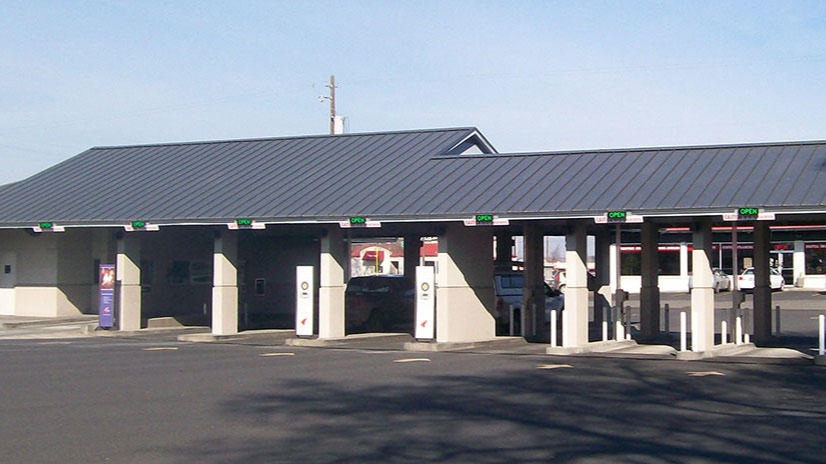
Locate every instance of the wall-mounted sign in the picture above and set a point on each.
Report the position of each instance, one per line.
(618, 217)
(359, 221)
(106, 306)
(485, 219)
(136, 226)
(246, 223)
(48, 226)
(748, 213)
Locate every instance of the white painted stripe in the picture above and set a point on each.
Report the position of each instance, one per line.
(161, 348)
(703, 374)
(411, 360)
(554, 366)
(276, 354)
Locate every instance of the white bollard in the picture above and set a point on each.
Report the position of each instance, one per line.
(605, 331)
(683, 334)
(619, 333)
(553, 328)
(512, 332)
(822, 323)
(746, 338)
(738, 331)
(723, 333)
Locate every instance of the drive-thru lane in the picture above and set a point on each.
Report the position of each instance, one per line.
(128, 401)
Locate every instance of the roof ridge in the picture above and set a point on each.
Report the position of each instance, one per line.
(291, 137)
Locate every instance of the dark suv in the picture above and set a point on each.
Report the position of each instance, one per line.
(379, 303)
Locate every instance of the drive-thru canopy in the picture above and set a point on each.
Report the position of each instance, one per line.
(296, 191)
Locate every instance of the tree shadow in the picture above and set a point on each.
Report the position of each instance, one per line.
(614, 412)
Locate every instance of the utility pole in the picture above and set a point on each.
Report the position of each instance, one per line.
(332, 98)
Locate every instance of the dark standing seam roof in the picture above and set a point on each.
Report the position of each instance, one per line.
(410, 175)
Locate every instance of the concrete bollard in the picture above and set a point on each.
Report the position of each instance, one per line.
(683, 334)
(738, 331)
(619, 333)
(512, 331)
(777, 319)
(667, 318)
(723, 333)
(822, 334)
(553, 328)
(604, 330)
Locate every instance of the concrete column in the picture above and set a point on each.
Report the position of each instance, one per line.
(602, 280)
(702, 291)
(575, 315)
(465, 297)
(225, 283)
(412, 255)
(650, 290)
(799, 260)
(684, 264)
(331, 284)
(128, 273)
(762, 288)
(504, 248)
(533, 293)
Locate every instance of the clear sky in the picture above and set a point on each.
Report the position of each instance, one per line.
(531, 75)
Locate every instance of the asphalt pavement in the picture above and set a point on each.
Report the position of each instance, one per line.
(133, 400)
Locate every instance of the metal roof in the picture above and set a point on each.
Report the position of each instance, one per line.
(408, 175)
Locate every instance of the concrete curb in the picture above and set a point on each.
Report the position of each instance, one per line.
(374, 340)
(277, 335)
(497, 343)
(19, 324)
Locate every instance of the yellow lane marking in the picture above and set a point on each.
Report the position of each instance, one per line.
(554, 366)
(412, 360)
(276, 354)
(161, 348)
(703, 373)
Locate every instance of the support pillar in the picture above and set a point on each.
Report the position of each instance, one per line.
(533, 293)
(331, 321)
(465, 297)
(762, 288)
(412, 255)
(799, 263)
(225, 283)
(702, 291)
(602, 278)
(575, 315)
(504, 250)
(650, 289)
(128, 273)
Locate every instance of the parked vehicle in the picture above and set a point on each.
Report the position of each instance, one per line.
(721, 282)
(509, 293)
(379, 303)
(745, 281)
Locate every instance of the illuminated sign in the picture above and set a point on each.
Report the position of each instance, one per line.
(748, 214)
(138, 224)
(246, 223)
(618, 217)
(358, 221)
(48, 226)
(243, 222)
(486, 220)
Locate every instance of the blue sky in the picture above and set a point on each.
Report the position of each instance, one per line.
(531, 75)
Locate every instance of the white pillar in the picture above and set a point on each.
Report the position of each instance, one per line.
(465, 297)
(225, 284)
(702, 292)
(331, 284)
(575, 315)
(799, 263)
(684, 265)
(128, 271)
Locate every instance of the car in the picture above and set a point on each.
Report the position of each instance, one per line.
(745, 281)
(560, 280)
(721, 280)
(509, 287)
(379, 303)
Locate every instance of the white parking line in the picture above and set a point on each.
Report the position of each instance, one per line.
(276, 354)
(161, 348)
(704, 373)
(554, 366)
(412, 360)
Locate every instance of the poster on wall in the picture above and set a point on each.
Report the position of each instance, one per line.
(106, 309)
